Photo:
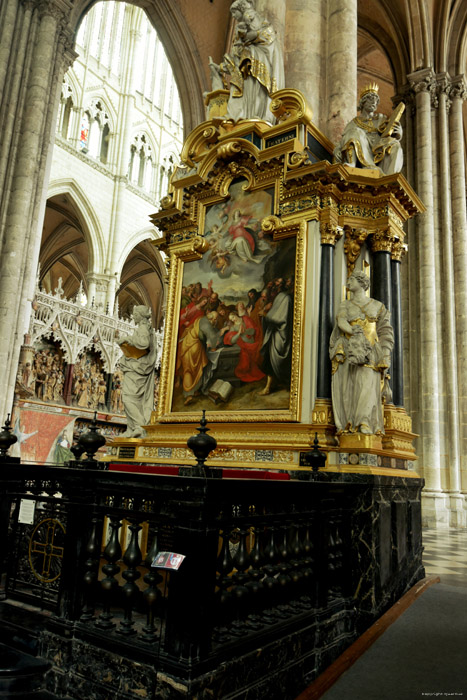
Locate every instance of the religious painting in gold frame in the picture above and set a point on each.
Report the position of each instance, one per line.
(234, 314)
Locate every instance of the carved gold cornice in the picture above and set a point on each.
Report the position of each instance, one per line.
(353, 241)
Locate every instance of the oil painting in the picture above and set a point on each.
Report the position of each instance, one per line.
(236, 315)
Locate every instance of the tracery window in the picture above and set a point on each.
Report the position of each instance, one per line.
(65, 109)
(95, 131)
(141, 168)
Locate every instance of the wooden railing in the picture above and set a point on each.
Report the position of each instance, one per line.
(263, 559)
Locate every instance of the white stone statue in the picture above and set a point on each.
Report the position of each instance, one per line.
(371, 140)
(138, 366)
(360, 350)
(217, 71)
(256, 66)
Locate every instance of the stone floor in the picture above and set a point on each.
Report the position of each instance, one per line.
(445, 555)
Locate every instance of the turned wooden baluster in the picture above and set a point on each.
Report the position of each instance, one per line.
(308, 598)
(132, 558)
(255, 584)
(91, 566)
(240, 592)
(224, 610)
(112, 553)
(296, 575)
(270, 614)
(152, 593)
(283, 578)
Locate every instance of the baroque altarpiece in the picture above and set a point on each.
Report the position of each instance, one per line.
(261, 231)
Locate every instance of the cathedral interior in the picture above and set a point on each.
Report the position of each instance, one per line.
(139, 171)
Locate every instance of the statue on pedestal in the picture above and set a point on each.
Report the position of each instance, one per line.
(256, 66)
(372, 140)
(360, 350)
(138, 367)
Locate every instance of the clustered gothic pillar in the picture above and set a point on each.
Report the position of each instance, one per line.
(304, 58)
(458, 94)
(36, 54)
(129, 69)
(422, 83)
(437, 291)
(341, 65)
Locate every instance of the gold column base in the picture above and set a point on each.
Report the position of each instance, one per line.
(398, 437)
(360, 443)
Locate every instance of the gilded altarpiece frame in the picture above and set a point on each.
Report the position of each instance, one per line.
(249, 252)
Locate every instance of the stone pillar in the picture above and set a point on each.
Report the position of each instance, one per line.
(448, 286)
(458, 93)
(43, 49)
(341, 65)
(330, 234)
(422, 83)
(304, 58)
(116, 240)
(274, 11)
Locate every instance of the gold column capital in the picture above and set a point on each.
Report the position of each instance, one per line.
(330, 233)
(382, 240)
(398, 250)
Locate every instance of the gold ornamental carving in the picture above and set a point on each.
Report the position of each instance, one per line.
(398, 250)
(382, 240)
(290, 104)
(330, 233)
(353, 241)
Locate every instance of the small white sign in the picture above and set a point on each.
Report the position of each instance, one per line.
(26, 511)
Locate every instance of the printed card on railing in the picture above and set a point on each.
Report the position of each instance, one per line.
(168, 560)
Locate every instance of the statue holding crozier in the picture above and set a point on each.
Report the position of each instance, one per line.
(138, 366)
(372, 140)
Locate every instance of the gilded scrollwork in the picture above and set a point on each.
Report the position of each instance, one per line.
(297, 159)
(290, 104)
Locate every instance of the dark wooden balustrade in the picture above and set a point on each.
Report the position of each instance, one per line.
(264, 561)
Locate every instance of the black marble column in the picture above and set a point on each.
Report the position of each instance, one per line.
(381, 287)
(326, 320)
(397, 372)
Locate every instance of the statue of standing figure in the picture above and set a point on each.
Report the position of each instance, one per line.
(372, 140)
(255, 67)
(138, 368)
(360, 350)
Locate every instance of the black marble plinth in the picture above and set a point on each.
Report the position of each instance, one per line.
(21, 675)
